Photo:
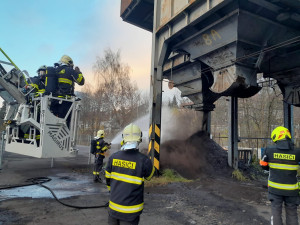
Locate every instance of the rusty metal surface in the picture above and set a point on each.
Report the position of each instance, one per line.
(223, 79)
(124, 5)
(138, 13)
(233, 40)
(170, 10)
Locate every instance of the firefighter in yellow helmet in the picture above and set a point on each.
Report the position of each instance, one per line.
(282, 160)
(66, 79)
(125, 174)
(67, 76)
(98, 148)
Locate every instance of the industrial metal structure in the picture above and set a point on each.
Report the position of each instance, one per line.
(213, 48)
(31, 127)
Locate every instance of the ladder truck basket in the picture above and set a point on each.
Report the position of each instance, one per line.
(36, 131)
(33, 127)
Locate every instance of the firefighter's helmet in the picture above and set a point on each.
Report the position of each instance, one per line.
(132, 133)
(42, 68)
(66, 60)
(100, 134)
(280, 133)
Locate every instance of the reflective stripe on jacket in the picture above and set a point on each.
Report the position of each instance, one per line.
(125, 174)
(67, 77)
(99, 147)
(282, 161)
(38, 85)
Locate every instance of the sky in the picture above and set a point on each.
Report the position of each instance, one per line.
(39, 32)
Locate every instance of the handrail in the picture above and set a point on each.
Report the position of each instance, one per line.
(14, 65)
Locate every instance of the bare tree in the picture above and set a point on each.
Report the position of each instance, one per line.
(118, 93)
(113, 100)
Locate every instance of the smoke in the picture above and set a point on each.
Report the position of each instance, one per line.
(184, 147)
(187, 149)
(179, 124)
(143, 124)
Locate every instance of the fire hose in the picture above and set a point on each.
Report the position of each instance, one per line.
(40, 180)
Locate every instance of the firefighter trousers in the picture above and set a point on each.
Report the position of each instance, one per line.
(98, 166)
(290, 203)
(114, 221)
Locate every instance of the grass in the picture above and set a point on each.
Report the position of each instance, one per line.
(237, 174)
(168, 176)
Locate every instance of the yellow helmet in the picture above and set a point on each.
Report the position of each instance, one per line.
(280, 133)
(66, 60)
(100, 134)
(132, 133)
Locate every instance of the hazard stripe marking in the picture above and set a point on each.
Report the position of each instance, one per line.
(156, 163)
(157, 130)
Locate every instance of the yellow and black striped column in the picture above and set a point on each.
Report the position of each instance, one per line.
(154, 145)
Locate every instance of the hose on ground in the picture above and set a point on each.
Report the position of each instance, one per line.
(39, 181)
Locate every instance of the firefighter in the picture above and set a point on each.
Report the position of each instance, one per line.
(38, 85)
(38, 82)
(67, 77)
(125, 173)
(98, 148)
(282, 160)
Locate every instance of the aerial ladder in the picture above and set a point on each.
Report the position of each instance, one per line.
(32, 129)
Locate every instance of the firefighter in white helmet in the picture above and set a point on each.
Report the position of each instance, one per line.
(98, 148)
(125, 174)
(282, 160)
(38, 82)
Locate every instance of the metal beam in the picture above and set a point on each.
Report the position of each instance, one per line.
(206, 121)
(288, 115)
(158, 57)
(267, 5)
(2, 148)
(233, 133)
(6, 63)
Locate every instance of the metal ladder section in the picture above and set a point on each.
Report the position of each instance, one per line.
(12, 83)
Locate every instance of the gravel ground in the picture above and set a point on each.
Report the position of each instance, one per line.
(211, 198)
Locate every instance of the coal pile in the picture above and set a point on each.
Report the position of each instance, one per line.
(195, 157)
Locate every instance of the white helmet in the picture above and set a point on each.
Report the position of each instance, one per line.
(132, 137)
(100, 134)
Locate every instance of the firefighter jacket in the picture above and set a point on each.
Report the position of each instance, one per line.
(282, 161)
(50, 81)
(67, 77)
(99, 147)
(38, 83)
(125, 173)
